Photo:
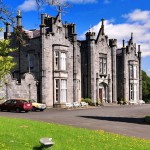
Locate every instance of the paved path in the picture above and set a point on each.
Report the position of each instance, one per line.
(126, 120)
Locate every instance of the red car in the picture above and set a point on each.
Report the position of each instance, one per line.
(16, 105)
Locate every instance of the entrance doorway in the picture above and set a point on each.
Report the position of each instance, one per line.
(103, 92)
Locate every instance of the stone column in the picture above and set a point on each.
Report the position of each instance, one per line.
(113, 45)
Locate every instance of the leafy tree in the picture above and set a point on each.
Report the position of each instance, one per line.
(6, 61)
(60, 5)
(145, 86)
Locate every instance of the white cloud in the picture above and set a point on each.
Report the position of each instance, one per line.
(138, 15)
(28, 5)
(141, 31)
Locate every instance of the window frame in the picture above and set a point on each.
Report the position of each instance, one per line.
(57, 89)
(103, 64)
(63, 91)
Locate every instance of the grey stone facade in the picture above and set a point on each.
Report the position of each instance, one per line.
(67, 69)
(10, 88)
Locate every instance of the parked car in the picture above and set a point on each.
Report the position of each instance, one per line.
(16, 105)
(36, 105)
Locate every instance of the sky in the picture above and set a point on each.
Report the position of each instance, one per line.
(121, 18)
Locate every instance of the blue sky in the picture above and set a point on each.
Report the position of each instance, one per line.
(121, 18)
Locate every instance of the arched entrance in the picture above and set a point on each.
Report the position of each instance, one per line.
(103, 92)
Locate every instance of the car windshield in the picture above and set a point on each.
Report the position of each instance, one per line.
(31, 100)
(23, 101)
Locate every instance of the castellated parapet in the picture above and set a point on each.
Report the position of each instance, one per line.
(90, 35)
(113, 42)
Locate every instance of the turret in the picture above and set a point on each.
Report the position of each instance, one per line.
(113, 45)
(90, 35)
(71, 29)
(90, 39)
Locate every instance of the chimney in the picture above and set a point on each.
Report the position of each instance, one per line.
(18, 19)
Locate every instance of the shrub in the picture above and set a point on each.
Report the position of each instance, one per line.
(122, 101)
(88, 100)
(147, 101)
(147, 119)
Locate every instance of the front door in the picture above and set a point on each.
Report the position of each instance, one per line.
(100, 95)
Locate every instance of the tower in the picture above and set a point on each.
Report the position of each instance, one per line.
(113, 45)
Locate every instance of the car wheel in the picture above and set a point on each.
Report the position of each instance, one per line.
(17, 110)
(26, 110)
(41, 109)
(33, 108)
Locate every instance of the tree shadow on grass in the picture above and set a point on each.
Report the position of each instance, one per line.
(118, 119)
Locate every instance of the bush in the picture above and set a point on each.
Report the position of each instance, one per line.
(147, 101)
(88, 100)
(122, 101)
(147, 119)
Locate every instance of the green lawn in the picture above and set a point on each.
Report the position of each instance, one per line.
(20, 134)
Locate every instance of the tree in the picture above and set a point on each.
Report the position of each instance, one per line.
(145, 86)
(60, 5)
(6, 61)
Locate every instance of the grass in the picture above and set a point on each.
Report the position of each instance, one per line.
(21, 134)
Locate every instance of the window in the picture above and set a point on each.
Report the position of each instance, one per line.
(63, 90)
(63, 61)
(131, 92)
(102, 65)
(57, 90)
(135, 72)
(135, 92)
(131, 71)
(60, 90)
(56, 60)
(60, 60)
(30, 61)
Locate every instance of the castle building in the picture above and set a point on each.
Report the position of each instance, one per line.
(67, 69)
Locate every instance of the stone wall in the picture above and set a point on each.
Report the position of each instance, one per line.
(12, 89)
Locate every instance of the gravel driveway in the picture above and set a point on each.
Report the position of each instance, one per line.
(126, 120)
